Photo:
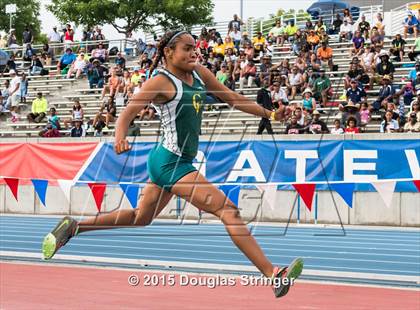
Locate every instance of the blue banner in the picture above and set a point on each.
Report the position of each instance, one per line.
(350, 161)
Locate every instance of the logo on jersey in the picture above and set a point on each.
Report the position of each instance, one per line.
(197, 102)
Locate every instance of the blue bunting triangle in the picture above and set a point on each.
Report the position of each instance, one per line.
(40, 188)
(131, 191)
(345, 190)
(232, 192)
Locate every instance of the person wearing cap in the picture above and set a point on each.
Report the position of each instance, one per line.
(150, 50)
(290, 31)
(317, 126)
(259, 44)
(294, 82)
(308, 101)
(276, 33)
(346, 31)
(66, 60)
(364, 27)
(355, 94)
(77, 130)
(385, 67)
(78, 66)
(325, 55)
(410, 25)
(245, 39)
(39, 109)
(413, 124)
(96, 74)
(386, 92)
(322, 87)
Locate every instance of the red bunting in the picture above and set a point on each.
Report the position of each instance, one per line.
(98, 191)
(417, 184)
(306, 191)
(13, 185)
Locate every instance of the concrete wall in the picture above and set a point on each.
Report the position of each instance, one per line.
(368, 208)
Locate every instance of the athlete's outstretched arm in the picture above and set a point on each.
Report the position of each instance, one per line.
(153, 90)
(232, 98)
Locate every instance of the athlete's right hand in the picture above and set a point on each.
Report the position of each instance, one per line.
(121, 146)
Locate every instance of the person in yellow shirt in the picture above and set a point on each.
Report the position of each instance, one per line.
(259, 43)
(290, 30)
(39, 109)
(229, 44)
(219, 48)
(135, 77)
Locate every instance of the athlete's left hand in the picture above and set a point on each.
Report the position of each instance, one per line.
(279, 115)
(121, 146)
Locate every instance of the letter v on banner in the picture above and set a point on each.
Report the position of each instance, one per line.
(306, 191)
(98, 191)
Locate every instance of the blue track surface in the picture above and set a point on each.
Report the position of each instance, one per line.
(393, 252)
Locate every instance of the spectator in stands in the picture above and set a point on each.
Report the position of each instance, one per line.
(66, 60)
(336, 24)
(415, 50)
(39, 109)
(235, 23)
(346, 31)
(99, 53)
(351, 110)
(367, 59)
(276, 33)
(13, 99)
(249, 51)
(264, 99)
(357, 73)
(413, 73)
(407, 91)
(259, 44)
(325, 56)
(98, 35)
(133, 130)
(389, 125)
(23, 90)
(397, 48)
(317, 126)
(222, 74)
(279, 96)
(229, 44)
(358, 43)
(379, 25)
(386, 92)
(12, 41)
(248, 74)
(290, 31)
(413, 125)
(320, 27)
(219, 48)
(312, 40)
(364, 27)
(265, 68)
(78, 66)
(77, 129)
(29, 52)
(411, 25)
(54, 39)
(120, 60)
(295, 82)
(27, 36)
(322, 87)
(245, 39)
(127, 84)
(96, 74)
(5, 96)
(11, 65)
(68, 36)
(236, 38)
(114, 85)
(351, 126)
(76, 113)
(299, 43)
(364, 114)
(355, 94)
(3, 42)
(150, 50)
(36, 66)
(308, 26)
(103, 119)
(294, 127)
(301, 117)
(50, 132)
(308, 102)
(385, 67)
(47, 55)
(53, 119)
(347, 16)
(376, 38)
(337, 130)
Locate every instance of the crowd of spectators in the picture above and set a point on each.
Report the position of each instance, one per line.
(302, 84)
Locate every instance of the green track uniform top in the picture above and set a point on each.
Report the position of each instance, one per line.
(181, 119)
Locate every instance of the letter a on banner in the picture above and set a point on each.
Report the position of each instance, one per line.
(98, 191)
(385, 190)
(306, 191)
(131, 191)
(41, 189)
(13, 184)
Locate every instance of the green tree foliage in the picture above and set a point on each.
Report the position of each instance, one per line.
(127, 16)
(27, 13)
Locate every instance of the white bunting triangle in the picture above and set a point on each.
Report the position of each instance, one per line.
(269, 192)
(66, 186)
(386, 191)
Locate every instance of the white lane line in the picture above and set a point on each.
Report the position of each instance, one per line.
(189, 265)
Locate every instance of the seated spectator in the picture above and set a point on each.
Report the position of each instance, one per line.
(39, 109)
(230, 55)
(389, 125)
(248, 74)
(66, 60)
(5, 96)
(13, 96)
(320, 27)
(120, 60)
(29, 52)
(245, 39)
(317, 126)
(76, 113)
(96, 74)
(276, 33)
(295, 82)
(367, 59)
(259, 44)
(415, 50)
(77, 130)
(53, 119)
(312, 40)
(219, 48)
(133, 130)
(229, 44)
(413, 125)
(308, 26)
(36, 66)
(222, 74)
(376, 38)
(150, 50)
(23, 91)
(350, 110)
(148, 113)
(102, 119)
(301, 118)
(294, 127)
(379, 25)
(265, 68)
(11, 64)
(322, 88)
(397, 48)
(358, 43)
(364, 27)
(308, 102)
(337, 130)
(384, 68)
(99, 53)
(325, 55)
(413, 73)
(47, 54)
(336, 24)
(236, 38)
(299, 43)
(364, 114)
(386, 92)
(79, 66)
(347, 17)
(114, 85)
(351, 126)
(289, 31)
(279, 96)
(346, 31)
(355, 94)
(411, 25)
(407, 92)
(50, 132)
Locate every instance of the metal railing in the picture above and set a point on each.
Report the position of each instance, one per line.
(398, 16)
